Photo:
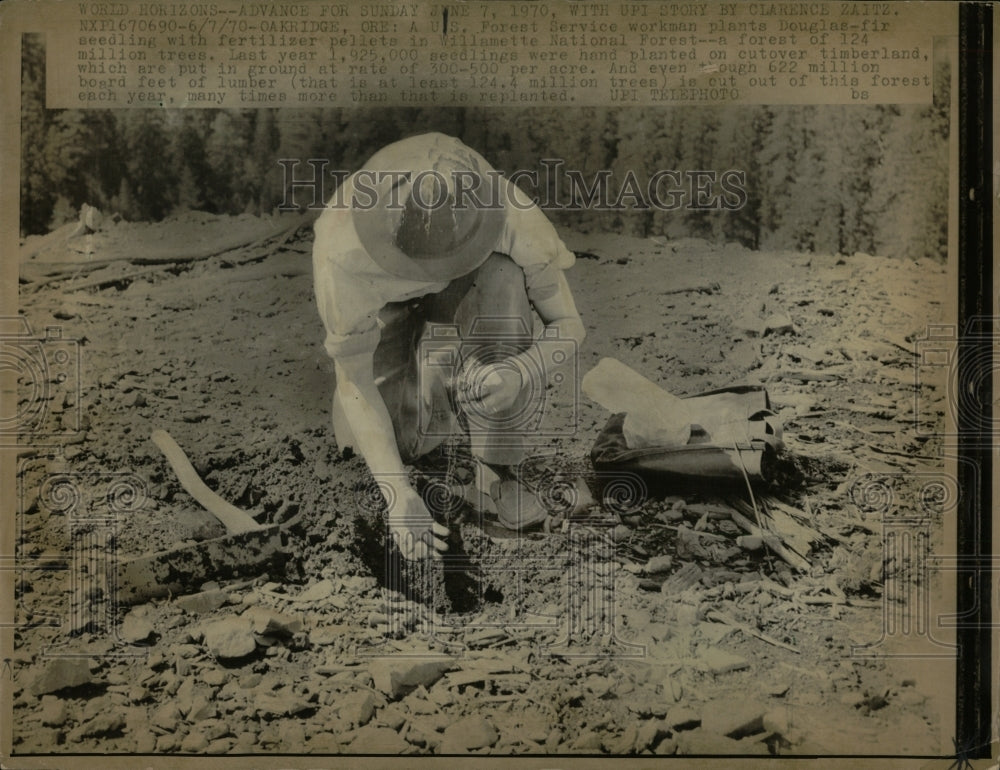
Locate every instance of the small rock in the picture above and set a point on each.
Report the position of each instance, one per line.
(647, 705)
(649, 734)
(358, 708)
(202, 708)
(718, 661)
(281, 703)
(186, 651)
(658, 564)
(230, 638)
(699, 742)
(250, 681)
(667, 747)
(377, 740)
(214, 677)
(625, 743)
(779, 323)
(317, 591)
(244, 743)
(102, 724)
(620, 532)
(134, 398)
(598, 685)
(62, 674)
(293, 737)
(270, 622)
(219, 746)
(392, 717)
(54, 712)
(166, 717)
(397, 677)
(682, 718)
(777, 721)
(194, 701)
(145, 743)
(93, 707)
(468, 734)
(750, 542)
(204, 602)
(322, 470)
(194, 743)
(166, 743)
(587, 741)
(136, 629)
(553, 739)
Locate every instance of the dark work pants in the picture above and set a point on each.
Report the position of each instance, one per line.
(484, 316)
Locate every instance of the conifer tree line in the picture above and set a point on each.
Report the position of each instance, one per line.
(830, 179)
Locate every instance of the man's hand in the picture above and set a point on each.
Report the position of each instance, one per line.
(414, 531)
(490, 388)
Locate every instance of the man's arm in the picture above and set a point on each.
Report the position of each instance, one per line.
(372, 427)
(558, 312)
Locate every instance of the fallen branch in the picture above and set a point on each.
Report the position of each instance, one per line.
(807, 375)
(750, 630)
(699, 532)
(167, 255)
(795, 536)
(708, 288)
(771, 541)
(234, 519)
(102, 281)
(883, 451)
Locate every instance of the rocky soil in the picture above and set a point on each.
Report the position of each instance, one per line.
(648, 628)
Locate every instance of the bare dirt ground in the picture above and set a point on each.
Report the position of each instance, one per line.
(567, 642)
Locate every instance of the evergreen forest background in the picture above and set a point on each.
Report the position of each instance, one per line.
(833, 179)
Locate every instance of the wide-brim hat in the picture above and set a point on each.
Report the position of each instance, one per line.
(428, 208)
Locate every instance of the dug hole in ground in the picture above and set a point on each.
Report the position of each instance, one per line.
(692, 640)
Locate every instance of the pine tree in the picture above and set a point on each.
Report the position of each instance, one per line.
(37, 196)
(151, 181)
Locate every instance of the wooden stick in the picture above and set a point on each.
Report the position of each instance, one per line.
(699, 532)
(711, 288)
(772, 541)
(750, 630)
(108, 280)
(234, 519)
(884, 451)
(168, 258)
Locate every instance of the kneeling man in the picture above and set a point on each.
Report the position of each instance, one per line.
(427, 267)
